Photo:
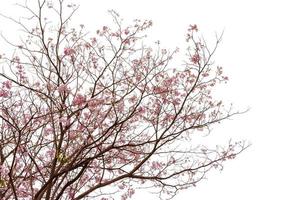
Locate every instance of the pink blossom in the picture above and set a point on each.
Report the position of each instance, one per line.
(159, 90)
(156, 165)
(195, 58)
(71, 194)
(127, 41)
(126, 31)
(141, 110)
(7, 84)
(121, 186)
(104, 28)
(63, 88)
(50, 86)
(132, 99)
(130, 192)
(92, 103)
(48, 130)
(176, 101)
(3, 169)
(87, 45)
(4, 93)
(79, 99)
(65, 121)
(205, 74)
(50, 153)
(72, 135)
(193, 28)
(94, 41)
(69, 51)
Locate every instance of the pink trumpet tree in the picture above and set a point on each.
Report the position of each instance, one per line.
(87, 116)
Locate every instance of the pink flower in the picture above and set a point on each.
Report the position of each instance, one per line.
(195, 58)
(4, 93)
(141, 110)
(7, 84)
(193, 28)
(205, 74)
(87, 45)
(127, 41)
(130, 192)
(3, 169)
(156, 165)
(50, 153)
(71, 194)
(104, 28)
(126, 31)
(159, 90)
(50, 86)
(69, 51)
(72, 135)
(63, 88)
(48, 130)
(79, 99)
(176, 101)
(92, 103)
(65, 121)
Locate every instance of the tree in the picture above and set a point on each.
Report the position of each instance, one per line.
(87, 115)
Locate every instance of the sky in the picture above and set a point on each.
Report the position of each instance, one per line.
(260, 54)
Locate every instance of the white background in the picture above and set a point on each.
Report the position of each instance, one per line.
(260, 54)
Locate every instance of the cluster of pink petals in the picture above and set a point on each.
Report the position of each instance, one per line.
(7, 84)
(193, 28)
(69, 51)
(155, 165)
(63, 88)
(195, 58)
(79, 99)
(4, 93)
